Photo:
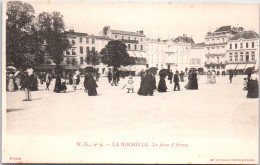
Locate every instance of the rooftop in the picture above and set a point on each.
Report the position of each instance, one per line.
(127, 33)
(245, 35)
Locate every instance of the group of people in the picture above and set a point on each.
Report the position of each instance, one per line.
(211, 77)
(113, 78)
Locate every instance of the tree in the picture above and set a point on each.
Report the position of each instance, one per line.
(51, 28)
(92, 58)
(115, 54)
(20, 17)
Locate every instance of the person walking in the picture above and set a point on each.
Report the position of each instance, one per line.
(252, 86)
(58, 87)
(182, 76)
(230, 75)
(109, 76)
(48, 81)
(176, 81)
(26, 86)
(11, 83)
(213, 77)
(90, 84)
(130, 84)
(170, 74)
(162, 84)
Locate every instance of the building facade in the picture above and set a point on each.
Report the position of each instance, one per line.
(134, 41)
(243, 51)
(215, 45)
(197, 57)
(81, 45)
(155, 53)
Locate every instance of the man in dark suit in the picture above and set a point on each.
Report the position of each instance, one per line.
(176, 81)
(170, 76)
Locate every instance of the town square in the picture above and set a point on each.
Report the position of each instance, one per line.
(155, 83)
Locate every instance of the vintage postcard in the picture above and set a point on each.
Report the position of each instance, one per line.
(130, 82)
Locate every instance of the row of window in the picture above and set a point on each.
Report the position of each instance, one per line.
(242, 56)
(216, 41)
(129, 38)
(242, 45)
(73, 42)
(80, 50)
(135, 47)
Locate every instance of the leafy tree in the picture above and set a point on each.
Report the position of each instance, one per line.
(51, 29)
(20, 17)
(92, 58)
(115, 54)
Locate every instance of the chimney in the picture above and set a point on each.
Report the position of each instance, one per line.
(141, 32)
(105, 29)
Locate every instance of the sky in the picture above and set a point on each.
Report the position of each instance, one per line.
(163, 20)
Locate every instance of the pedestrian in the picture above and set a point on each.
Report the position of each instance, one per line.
(26, 85)
(34, 86)
(74, 85)
(130, 84)
(146, 85)
(192, 81)
(70, 78)
(209, 73)
(162, 84)
(48, 80)
(252, 86)
(57, 87)
(176, 81)
(11, 83)
(114, 82)
(213, 77)
(78, 79)
(170, 74)
(182, 76)
(90, 84)
(109, 76)
(63, 86)
(230, 75)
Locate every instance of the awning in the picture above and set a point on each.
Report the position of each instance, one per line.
(241, 66)
(250, 65)
(231, 66)
(131, 53)
(137, 54)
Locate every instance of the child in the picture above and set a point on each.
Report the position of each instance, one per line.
(130, 84)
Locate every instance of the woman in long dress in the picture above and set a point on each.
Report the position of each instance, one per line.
(11, 86)
(193, 81)
(162, 85)
(58, 87)
(90, 85)
(209, 77)
(213, 77)
(252, 86)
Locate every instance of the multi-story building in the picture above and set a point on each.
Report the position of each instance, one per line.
(215, 45)
(134, 41)
(155, 53)
(243, 51)
(197, 57)
(81, 45)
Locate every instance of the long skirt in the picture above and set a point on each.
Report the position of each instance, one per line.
(92, 91)
(253, 88)
(11, 86)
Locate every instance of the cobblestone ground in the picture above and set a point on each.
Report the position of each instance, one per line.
(215, 110)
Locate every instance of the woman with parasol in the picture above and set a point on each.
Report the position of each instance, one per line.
(162, 83)
(90, 84)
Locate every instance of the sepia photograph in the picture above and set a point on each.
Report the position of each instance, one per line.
(130, 82)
